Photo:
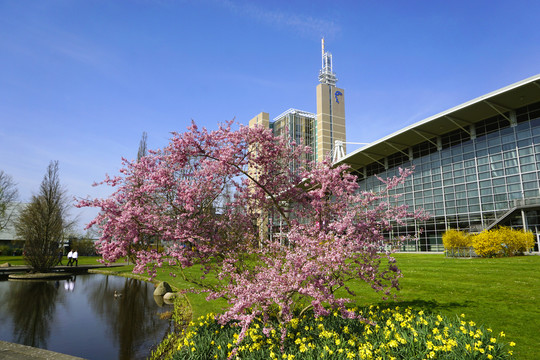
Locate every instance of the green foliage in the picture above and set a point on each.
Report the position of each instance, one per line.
(182, 312)
(387, 333)
(43, 222)
(166, 349)
(84, 246)
(503, 241)
(7, 250)
(455, 239)
(181, 318)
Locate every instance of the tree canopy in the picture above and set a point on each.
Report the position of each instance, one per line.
(8, 195)
(43, 222)
(287, 235)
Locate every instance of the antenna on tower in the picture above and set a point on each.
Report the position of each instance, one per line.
(326, 74)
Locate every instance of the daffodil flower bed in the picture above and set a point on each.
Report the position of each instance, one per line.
(384, 334)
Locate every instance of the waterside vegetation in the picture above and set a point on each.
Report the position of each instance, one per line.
(499, 293)
(495, 293)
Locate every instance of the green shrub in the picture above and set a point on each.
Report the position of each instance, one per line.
(85, 247)
(181, 317)
(5, 250)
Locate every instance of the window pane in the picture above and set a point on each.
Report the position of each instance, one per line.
(526, 159)
(527, 168)
(512, 179)
(486, 191)
(511, 170)
(484, 176)
(514, 187)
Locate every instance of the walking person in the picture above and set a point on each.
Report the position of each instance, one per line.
(70, 258)
(75, 258)
(60, 256)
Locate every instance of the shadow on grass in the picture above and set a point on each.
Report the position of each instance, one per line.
(428, 306)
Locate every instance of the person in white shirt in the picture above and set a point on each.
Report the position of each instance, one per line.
(70, 258)
(75, 258)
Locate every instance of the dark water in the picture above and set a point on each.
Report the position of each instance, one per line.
(82, 317)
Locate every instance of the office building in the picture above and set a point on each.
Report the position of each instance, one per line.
(320, 130)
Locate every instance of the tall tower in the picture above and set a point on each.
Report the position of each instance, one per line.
(330, 108)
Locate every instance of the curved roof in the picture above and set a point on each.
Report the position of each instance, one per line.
(511, 97)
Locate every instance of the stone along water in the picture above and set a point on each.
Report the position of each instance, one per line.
(82, 316)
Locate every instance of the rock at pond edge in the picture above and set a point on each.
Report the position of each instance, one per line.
(159, 300)
(169, 297)
(162, 289)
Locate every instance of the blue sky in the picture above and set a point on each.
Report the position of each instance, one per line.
(80, 81)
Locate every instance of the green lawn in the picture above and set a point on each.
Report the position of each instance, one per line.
(13, 260)
(500, 293)
(18, 260)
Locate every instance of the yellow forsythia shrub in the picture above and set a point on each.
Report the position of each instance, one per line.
(455, 239)
(516, 241)
(487, 244)
(503, 241)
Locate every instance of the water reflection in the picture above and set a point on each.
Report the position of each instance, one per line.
(129, 317)
(82, 316)
(32, 306)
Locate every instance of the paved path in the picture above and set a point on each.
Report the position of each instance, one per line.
(11, 351)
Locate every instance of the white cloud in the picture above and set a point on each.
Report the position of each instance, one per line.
(300, 24)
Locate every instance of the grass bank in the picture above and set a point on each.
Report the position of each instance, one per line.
(501, 293)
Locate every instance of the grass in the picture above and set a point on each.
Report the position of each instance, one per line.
(18, 260)
(501, 293)
(13, 260)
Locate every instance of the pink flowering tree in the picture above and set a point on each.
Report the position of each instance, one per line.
(214, 198)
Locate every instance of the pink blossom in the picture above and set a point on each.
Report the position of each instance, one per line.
(209, 199)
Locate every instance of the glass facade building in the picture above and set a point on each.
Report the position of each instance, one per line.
(298, 126)
(318, 130)
(475, 166)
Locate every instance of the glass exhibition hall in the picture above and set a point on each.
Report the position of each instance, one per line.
(476, 166)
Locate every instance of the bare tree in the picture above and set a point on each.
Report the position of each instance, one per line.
(44, 221)
(142, 146)
(8, 195)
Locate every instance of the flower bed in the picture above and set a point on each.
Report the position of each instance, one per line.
(386, 334)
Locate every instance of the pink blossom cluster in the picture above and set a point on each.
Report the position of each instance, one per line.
(210, 197)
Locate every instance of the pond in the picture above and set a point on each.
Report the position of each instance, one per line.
(82, 317)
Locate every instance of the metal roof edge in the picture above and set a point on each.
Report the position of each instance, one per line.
(445, 113)
(294, 111)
